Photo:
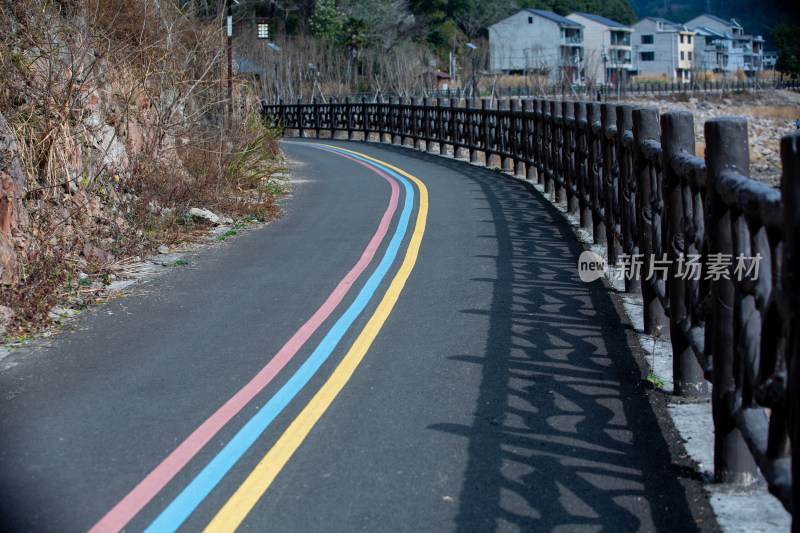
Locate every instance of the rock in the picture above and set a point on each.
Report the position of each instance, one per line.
(9, 266)
(205, 214)
(115, 154)
(727, 101)
(7, 316)
(13, 215)
(163, 250)
(142, 100)
(136, 141)
(95, 255)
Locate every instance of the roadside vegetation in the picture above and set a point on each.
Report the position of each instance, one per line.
(114, 122)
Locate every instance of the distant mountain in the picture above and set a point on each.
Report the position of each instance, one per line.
(757, 18)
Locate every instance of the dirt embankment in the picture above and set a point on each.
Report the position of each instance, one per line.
(114, 122)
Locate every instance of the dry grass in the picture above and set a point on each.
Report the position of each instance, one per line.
(776, 112)
(651, 78)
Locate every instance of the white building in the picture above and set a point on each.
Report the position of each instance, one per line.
(663, 47)
(722, 46)
(538, 41)
(608, 54)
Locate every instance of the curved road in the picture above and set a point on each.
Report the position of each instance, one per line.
(408, 349)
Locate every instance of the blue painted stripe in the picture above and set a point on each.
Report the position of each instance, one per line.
(187, 501)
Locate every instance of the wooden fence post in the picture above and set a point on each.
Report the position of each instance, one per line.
(442, 113)
(365, 118)
(609, 193)
(516, 139)
(486, 133)
(415, 121)
(454, 133)
(583, 165)
(348, 113)
(595, 132)
(790, 190)
(300, 122)
(726, 149)
(539, 133)
(472, 120)
(646, 128)
(548, 140)
(678, 138)
(504, 129)
(315, 111)
(402, 111)
(627, 223)
(381, 118)
(569, 157)
(528, 138)
(557, 151)
(427, 130)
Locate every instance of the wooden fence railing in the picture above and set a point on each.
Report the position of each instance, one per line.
(657, 88)
(717, 253)
(606, 92)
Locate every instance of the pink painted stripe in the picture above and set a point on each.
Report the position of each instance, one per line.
(135, 500)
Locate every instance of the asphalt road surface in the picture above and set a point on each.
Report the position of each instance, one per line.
(408, 349)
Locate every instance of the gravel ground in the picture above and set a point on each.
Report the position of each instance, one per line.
(770, 115)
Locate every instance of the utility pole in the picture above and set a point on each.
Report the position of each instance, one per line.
(472, 49)
(230, 59)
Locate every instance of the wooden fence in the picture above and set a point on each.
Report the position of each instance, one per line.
(605, 92)
(694, 228)
(610, 91)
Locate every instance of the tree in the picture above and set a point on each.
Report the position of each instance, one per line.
(787, 40)
(382, 23)
(473, 16)
(327, 22)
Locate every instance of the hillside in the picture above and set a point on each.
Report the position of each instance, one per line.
(757, 18)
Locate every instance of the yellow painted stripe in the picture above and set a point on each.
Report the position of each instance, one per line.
(247, 495)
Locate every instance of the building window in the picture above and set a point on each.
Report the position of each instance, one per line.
(530, 20)
(682, 55)
(690, 56)
(681, 38)
(647, 39)
(262, 30)
(689, 37)
(648, 56)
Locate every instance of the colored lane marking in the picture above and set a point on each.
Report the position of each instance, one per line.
(124, 511)
(204, 482)
(247, 495)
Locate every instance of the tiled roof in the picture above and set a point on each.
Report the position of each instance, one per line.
(708, 32)
(721, 20)
(601, 20)
(675, 25)
(555, 18)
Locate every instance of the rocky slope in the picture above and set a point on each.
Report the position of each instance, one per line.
(770, 115)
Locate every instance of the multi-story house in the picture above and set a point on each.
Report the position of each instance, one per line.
(608, 54)
(769, 60)
(722, 46)
(538, 41)
(663, 47)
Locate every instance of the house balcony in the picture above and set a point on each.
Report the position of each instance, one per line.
(572, 41)
(620, 39)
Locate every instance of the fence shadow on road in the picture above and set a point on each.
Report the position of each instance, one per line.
(564, 438)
